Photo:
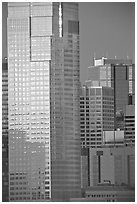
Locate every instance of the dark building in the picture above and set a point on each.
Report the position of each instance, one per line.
(5, 177)
(85, 168)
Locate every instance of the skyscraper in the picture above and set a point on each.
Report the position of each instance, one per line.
(96, 114)
(5, 173)
(43, 74)
(119, 74)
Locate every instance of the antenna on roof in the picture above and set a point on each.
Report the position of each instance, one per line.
(94, 57)
(106, 54)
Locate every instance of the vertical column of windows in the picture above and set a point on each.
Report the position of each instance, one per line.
(18, 49)
(130, 80)
(29, 113)
(41, 31)
(83, 121)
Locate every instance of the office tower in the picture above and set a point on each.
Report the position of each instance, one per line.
(119, 74)
(131, 85)
(5, 184)
(43, 73)
(130, 125)
(96, 114)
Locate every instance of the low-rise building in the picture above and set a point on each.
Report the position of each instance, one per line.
(113, 138)
(114, 165)
(107, 193)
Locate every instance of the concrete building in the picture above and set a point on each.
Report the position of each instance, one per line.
(107, 193)
(109, 165)
(85, 176)
(43, 94)
(5, 173)
(130, 125)
(119, 74)
(96, 114)
(114, 165)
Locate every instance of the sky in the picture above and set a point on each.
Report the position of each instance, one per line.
(106, 29)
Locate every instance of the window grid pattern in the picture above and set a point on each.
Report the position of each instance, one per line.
(96, 115)
(43, 104)
(29, 116)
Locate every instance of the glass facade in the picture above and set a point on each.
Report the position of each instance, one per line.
(5, 163)
(118, 74)
(96, 114)
(44, 143)
(65, 147)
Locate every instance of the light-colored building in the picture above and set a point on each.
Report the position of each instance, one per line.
(113, 138)
(107, 193)
(130, 125)
(96, 114)
(115, 165)
(43, 94)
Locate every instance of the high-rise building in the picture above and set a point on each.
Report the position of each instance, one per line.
(96, 114)
(119, 74)
(130, 125)
(5, 180)
(43, 94)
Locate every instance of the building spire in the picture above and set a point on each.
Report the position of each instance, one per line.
(94, 57)
(106, 54)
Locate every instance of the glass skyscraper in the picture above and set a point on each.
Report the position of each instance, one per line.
(4, 130)
(43, 95)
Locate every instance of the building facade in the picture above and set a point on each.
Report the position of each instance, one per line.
(5, 177)
(43, 94)
(115, 165)
(107, 193)
(85, 176)
(108, 166)
(96, 114)
(113, 138)
(119, 74)
(130, 125)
